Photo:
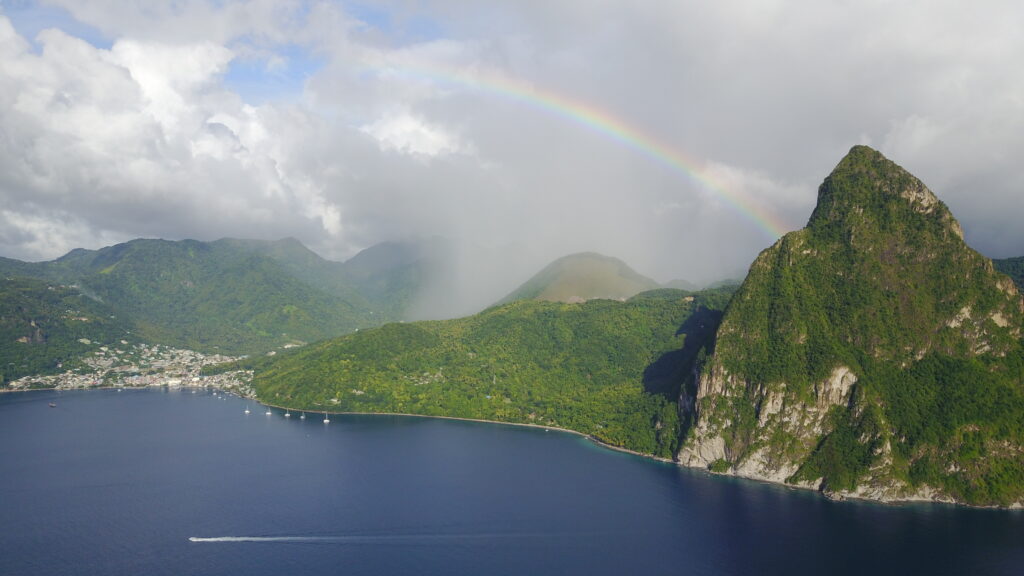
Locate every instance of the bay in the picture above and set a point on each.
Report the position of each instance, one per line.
(171, 482)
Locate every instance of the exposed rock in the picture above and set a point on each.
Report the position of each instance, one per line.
(761, 466)
(958, 320)
(835, 391)
(832, 321)
(771, 405)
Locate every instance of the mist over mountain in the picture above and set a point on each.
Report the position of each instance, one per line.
(251, 296)
(581, 277)
(309, 120)
(435, 278)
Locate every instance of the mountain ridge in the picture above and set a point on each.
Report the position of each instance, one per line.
(229, 295)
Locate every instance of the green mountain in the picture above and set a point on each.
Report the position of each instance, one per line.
(46, 327)
(392, 275)
(871, 354)
(605, 368)
(302, 264)
(1012, 267)
(228, 296)
(580, 277)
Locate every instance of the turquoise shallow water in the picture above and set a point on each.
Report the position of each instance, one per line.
(169, 482)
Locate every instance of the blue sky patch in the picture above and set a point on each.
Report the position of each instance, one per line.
(401, 29)
(31, 18)
(278, 75)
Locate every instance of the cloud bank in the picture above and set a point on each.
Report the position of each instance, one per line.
(544, 127)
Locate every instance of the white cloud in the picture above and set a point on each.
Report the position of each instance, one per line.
(173, 79)
(187, 21)
(33, 234)
(778, 206)
(399, 131)
(410, 135)
(142, 140)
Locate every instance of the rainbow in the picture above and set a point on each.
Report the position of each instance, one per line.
(599, 121)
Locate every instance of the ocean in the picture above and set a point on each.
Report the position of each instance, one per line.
(163, 481)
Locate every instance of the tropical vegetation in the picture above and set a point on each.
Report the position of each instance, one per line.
(605, 368)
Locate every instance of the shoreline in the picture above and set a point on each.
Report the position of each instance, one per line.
(590, 437)
(840, 497)
(9, 391)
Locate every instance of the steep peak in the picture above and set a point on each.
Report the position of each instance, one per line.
(866, 181)
(870, 162)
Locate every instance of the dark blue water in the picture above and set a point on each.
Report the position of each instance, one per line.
(118, 482)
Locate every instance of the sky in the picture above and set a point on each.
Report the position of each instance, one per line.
(681, 136)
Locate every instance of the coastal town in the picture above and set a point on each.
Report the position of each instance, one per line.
(129, 365)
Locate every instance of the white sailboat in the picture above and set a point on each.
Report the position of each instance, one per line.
(326, 419)
(246, 408)
(303, 417)
(269, 412)
(287, 414)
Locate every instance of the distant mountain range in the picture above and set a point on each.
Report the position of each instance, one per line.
(229, 296)
(250, 296)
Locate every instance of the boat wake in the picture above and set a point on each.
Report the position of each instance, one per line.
(375, 539)
(270, 539)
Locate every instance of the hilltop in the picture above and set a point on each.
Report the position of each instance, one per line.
(581, 277)
(871, 354)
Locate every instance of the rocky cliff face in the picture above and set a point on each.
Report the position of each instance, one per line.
(871, 354)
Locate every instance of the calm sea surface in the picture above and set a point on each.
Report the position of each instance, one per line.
(120, 482)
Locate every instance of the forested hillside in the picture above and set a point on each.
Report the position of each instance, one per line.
(46, 327)
(606, 368)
